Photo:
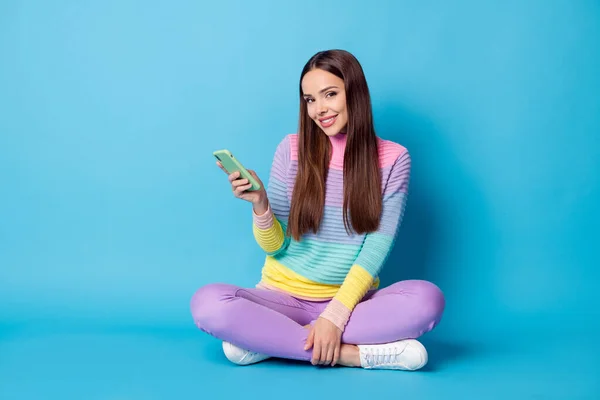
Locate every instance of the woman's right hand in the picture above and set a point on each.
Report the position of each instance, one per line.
(240, 187)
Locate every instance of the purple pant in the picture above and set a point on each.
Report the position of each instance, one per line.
(272, 323)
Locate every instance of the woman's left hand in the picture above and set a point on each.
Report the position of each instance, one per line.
(326, 339)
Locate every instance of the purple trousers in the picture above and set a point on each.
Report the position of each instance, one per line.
(272, 323)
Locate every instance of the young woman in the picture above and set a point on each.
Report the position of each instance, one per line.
(327, 223)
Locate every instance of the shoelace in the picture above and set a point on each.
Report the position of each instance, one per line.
(383, 355)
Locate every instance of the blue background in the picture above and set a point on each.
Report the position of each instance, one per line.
(112, 211)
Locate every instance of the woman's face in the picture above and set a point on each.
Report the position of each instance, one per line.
(325, 97)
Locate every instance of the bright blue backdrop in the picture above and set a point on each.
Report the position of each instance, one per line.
(112, 211)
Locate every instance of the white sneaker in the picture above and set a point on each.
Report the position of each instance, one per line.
(240, 356)
(407, 355)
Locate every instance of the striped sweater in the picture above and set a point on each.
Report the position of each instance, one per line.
(332, 264)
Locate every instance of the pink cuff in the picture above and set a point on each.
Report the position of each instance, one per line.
(264, 221)
(337, 313)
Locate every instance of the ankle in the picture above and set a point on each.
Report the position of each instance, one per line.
(349, 356)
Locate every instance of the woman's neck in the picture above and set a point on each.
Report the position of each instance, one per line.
(338, 144)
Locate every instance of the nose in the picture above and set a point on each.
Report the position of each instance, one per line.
(321, 108)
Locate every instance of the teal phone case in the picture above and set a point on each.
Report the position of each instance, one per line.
(231, 165)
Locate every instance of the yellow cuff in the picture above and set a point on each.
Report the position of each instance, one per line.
(355, 286)
(270, 239)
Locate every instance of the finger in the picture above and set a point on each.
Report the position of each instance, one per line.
(329, 357)
(316, 357)
(323, 353)
(325, 359)
(239, 182)
(336, 355)
(234, 176)
(222, 167)
(241, 189)
(310, 339)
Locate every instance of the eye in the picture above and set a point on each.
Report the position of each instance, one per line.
(331, 94)
(308, 100)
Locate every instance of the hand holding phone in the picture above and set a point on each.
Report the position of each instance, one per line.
(245, 184)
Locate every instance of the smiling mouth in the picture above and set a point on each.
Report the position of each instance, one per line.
(327, 121)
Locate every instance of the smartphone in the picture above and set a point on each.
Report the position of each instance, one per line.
(231, 165)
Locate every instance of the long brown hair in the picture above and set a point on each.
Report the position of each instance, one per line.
(362, 181)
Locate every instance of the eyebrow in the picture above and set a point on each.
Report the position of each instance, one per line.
(322, 90)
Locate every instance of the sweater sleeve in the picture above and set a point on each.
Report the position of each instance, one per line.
(269, 228)
(376, 246)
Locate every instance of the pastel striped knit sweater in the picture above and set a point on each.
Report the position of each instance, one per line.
(332, 264)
